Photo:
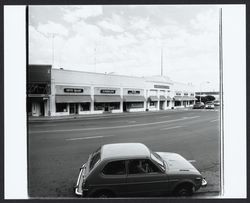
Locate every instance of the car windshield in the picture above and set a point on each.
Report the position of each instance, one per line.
(95, 158)
(158, 160)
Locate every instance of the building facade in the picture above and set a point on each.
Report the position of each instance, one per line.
(73, 92)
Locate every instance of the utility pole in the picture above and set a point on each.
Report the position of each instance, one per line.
(161, 61)
(52, 36)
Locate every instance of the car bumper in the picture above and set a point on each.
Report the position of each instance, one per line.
(78, 190)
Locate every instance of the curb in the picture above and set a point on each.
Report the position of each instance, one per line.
(55, 118)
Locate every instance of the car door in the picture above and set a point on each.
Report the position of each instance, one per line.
(113, 177)
(145, 178)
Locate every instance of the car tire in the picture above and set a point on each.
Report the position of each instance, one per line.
(103, 194)
(184, 190)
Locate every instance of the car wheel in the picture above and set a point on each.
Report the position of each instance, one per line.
(184, 190)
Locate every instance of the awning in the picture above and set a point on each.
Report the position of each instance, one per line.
(153, 98)
(185, 98)
(188, 98)
(107, 98)
(193, 98)
(73, 98)
(134, 98)
(162, 98)
(178, 98)
(168, 98)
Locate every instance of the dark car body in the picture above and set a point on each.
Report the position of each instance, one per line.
(132, 170)
(199, 105)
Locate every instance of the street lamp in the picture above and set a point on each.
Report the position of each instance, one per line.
(204, 82)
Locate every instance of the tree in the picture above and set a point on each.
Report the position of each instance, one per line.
(205, 99)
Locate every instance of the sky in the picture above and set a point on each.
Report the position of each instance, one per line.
(129, 40)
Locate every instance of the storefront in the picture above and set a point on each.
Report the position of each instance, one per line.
(178, 100)
(153, 102)
(70, 100)
(107, 100)
(133, 100)
(37, 105)
(168, 99)
(59, 92)
(162, 102)
(38, 90)
(185, 100)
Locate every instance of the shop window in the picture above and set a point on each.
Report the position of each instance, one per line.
(152, 103)
(61, 107)
(178, 93)
(85, 106)
(168, 103)
(177, 103)
(136, 105)
(115, 105)
(99, 106)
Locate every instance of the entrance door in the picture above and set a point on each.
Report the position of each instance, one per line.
(73, 108)
(124, 106)
(161, 105)
(106, 108)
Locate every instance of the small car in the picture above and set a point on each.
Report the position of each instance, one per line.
(133, 170)
(209, 105)
(199, 105)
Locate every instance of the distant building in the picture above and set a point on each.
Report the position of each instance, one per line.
(57, 92)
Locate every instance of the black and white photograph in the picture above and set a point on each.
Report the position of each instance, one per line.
(125, 101)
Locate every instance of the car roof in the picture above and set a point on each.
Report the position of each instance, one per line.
(124, 150)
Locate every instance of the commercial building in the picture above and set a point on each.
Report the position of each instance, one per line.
(59, 92)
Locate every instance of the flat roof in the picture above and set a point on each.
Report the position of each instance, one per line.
(124, 150)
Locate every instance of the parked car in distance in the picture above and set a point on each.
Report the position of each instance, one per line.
(216, 103)
(209, 105)
(133, 170)
(199, 105)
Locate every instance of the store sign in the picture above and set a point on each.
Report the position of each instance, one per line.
(133, 92)
(107, 91)
(161, 86)
(186, 94)
(73, 90)
(178, 94)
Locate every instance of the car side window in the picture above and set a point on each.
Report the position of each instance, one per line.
(115, 168)
(142, 166)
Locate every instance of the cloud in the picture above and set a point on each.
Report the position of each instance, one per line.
(89, 31)
(138, 23)
(82, 12)
(110, 26)
(52, 27)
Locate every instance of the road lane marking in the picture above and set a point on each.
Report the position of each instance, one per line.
(163, 116)
(44, 125)
(131, 121)
(171, 127)
(86, 138)
(114, 127)
(214, 120)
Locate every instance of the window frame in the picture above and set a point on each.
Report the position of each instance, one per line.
(143, 174)
(114, 175)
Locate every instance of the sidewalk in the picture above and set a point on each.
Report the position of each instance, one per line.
(71, 117)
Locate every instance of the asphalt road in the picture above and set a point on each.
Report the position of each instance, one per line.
(58, 148)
